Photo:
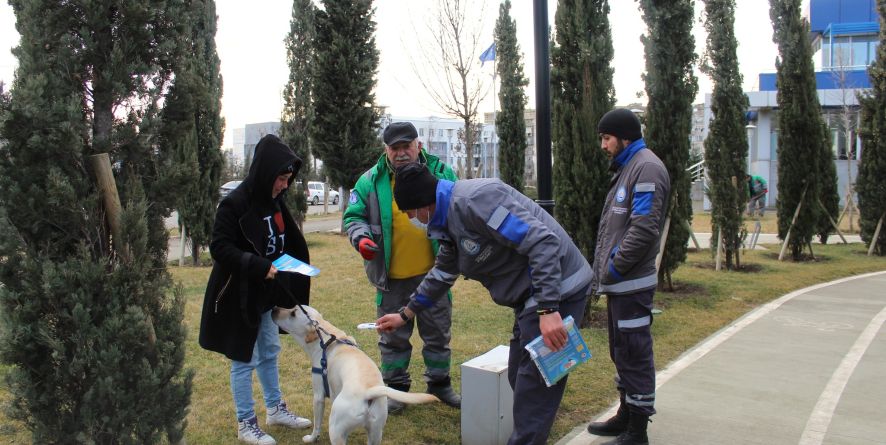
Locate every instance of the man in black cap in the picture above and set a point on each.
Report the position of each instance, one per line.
(397, 256)
(490, 232)
(624, 269)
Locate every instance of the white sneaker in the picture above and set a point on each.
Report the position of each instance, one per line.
(249, 432)
(282, 416)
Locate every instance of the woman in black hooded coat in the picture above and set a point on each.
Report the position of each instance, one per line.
(252, 228)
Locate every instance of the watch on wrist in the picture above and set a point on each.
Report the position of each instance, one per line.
(402, 313)
(545, 311)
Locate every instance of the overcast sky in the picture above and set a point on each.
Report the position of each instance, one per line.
(253, 57)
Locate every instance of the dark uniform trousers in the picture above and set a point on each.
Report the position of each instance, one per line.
(630, 347)
(535, 404)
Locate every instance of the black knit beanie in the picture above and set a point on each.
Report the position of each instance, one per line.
(621, 123)
(414, 187)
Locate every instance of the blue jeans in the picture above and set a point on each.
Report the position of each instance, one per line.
(264, 362)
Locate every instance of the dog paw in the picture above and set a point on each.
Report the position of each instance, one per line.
(310, 438)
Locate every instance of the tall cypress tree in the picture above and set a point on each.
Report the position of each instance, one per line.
(91, 330)
(345, 129)
(509, 123)
(192, 114)
(671, 87)
(803, 137)
(210, 132)
(870, 185)
(726, 146)
(581, 92)
(298, 109)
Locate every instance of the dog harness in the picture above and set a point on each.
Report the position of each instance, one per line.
(324, 346)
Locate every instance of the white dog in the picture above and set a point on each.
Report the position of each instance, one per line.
(358, 394)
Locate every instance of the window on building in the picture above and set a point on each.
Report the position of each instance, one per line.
(839, 125)
(849, 51)
(860, 56)
(842, 52)
(421, 131)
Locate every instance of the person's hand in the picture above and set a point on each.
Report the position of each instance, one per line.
(272, 272)
(389, 323)
(552, 331)
(367, 248)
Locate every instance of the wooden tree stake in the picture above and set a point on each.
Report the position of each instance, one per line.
(876, 235)
(833, 223)
(663, 243)
(107, 187)
(787, 237)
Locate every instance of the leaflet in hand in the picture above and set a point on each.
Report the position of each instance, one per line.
(554, 365)
(287, 263)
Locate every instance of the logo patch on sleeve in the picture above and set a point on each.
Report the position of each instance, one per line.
(470, 246)
(353, 198)
(621, 194)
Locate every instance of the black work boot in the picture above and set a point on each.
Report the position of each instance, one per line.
(636, 433)
(616, 424)
(443, 390)
(395, 407)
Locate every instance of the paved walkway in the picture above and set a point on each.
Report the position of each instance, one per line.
(704, 240)
(808, 368)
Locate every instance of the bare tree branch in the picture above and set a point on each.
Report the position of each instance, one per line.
(453, 79)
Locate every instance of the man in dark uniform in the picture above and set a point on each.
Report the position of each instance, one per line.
(490, 232)
(624, 270)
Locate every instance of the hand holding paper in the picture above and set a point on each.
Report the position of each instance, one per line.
(287, 263)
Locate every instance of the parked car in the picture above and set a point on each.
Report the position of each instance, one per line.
(226, 188)
(314, 194)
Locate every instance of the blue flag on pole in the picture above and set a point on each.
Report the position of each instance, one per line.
(488, 55)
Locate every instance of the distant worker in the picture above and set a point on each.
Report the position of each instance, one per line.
(757, 192)
(398, 255)
(624, 270)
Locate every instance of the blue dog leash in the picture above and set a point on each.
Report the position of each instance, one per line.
(324, 345)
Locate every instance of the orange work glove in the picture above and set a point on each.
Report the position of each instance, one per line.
(367, 248)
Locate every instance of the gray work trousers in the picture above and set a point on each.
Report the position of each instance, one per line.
(434, 325)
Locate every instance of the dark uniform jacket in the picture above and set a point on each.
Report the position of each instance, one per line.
(630, 227)
(244, 243)
(490, 232)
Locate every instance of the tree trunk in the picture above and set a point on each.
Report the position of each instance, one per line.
(469, 148)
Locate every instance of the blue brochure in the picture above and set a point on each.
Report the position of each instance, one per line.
(287, 263)
(554, 365)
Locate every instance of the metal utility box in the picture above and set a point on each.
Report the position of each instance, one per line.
(486, 399)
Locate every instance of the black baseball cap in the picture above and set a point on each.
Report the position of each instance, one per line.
(399, 132)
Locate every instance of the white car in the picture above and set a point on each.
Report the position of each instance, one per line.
(226, 188)
(314, 194)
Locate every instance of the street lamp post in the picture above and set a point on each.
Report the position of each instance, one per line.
(543, 104)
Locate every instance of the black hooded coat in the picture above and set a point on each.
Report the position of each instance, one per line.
(243, 246)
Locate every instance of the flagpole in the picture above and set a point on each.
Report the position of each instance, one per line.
(494, 121)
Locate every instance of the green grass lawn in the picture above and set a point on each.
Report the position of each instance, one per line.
(703, 302)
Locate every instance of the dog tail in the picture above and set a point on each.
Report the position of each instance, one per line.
(409, 398)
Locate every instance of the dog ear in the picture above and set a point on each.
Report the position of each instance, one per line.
(311, 336)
